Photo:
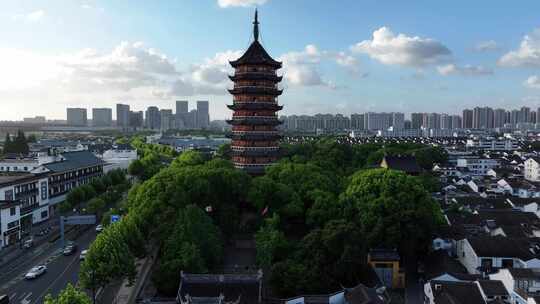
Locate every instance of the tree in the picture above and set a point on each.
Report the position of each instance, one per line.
(69, 295)
(96, 205)
(325, 208)
(108, 259)
(136, 168)
(194, 245)
(396, 207)
(265, 193)
(270, 242)
(189, 158)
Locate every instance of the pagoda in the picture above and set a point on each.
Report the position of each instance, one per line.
(255, 138)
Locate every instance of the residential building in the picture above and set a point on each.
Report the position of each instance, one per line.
(153, 118)
(71, 170)
(10, 218)
(467, 119)
(136, 119)
(203, 114)
(77, 117)
(166, 118)
(101, 117)
(357, 121)
(122, 116)
(531, 169)
(417, 120)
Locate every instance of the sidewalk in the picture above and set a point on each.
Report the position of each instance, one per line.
(12, 252)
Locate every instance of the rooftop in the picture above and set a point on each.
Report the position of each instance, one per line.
(74, 160)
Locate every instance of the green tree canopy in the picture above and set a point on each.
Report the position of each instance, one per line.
(69, 295)
(396, 207)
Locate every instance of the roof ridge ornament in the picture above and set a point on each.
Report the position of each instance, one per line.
(256, 26)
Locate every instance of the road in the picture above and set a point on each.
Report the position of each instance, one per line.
(61, 270)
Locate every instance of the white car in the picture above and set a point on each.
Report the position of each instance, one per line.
(99, 228)
(35, 272)
(82, 256)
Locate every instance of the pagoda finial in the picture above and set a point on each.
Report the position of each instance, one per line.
(256, 26)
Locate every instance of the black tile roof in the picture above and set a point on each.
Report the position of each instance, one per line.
(445, 292)
(404, 163)
(256, 54)
(74, 160)
(493, 288)
(499, 246)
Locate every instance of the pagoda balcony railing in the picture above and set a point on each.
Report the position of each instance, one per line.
(255, 132)
(269, 73)
(251, 165)
(240, 148)
(255, 117)
(272, 106)
(262, 90)
(256, 76)
(274, 87)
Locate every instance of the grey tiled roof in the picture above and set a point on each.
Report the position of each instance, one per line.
(74, 160)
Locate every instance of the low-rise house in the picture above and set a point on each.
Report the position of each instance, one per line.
(386, 264)
(477, 166)
(31, 192)
(487, 254)
(532, 169)
(118, 157)
(522, 284)
(10, 227)
(453, 290)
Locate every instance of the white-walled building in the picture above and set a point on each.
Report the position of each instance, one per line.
(532, 169)
(10, 230)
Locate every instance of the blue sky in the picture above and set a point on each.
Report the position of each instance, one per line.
(339, 56)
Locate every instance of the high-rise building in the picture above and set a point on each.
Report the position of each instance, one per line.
(203, 115)
(136, 119)
(357, 121)
(524, 114)
(467, 119)
(499, 118)
(153, 118)
(398, 121)
(433, 121)
(102, 117)
(377, 121)
(122, 115)
(166, 119)
(446, 121)
(456, 122)
(417, 120)
(254, 135)
(182, 107)
(483, 118)
(77, 117)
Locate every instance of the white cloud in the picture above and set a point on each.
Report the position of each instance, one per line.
(400, 49)
(302, 68)
(242, 3)
(467, 70)
(34, 16)
(533, 82)
(485, 46)
(528, 53)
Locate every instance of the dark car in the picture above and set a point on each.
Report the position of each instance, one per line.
(69, 249)
(4, 299)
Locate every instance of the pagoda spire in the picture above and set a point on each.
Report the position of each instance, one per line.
(256, 26)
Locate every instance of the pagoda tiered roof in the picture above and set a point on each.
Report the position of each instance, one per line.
(256, 55)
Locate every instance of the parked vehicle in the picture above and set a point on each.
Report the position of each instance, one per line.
(99, 228)
(35, 272)
(82, 256)
(28, 243)
(70, 249)
(4, 299)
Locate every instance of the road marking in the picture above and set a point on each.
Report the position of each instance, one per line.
(26, 300)
(75, 259)
(13, 296)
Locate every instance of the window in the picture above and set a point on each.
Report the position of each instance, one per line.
(44, 214)
(12, 211)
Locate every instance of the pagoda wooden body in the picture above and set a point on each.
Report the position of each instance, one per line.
(255, 138)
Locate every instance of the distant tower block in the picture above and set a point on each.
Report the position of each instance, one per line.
(255, 139)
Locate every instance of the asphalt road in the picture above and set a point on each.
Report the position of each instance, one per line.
(61, 270)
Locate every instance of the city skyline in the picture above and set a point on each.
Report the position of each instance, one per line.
(384, 57)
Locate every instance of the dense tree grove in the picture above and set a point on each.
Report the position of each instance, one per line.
(18, 145)
(317, 212)
(70, 295)
(99, 193)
